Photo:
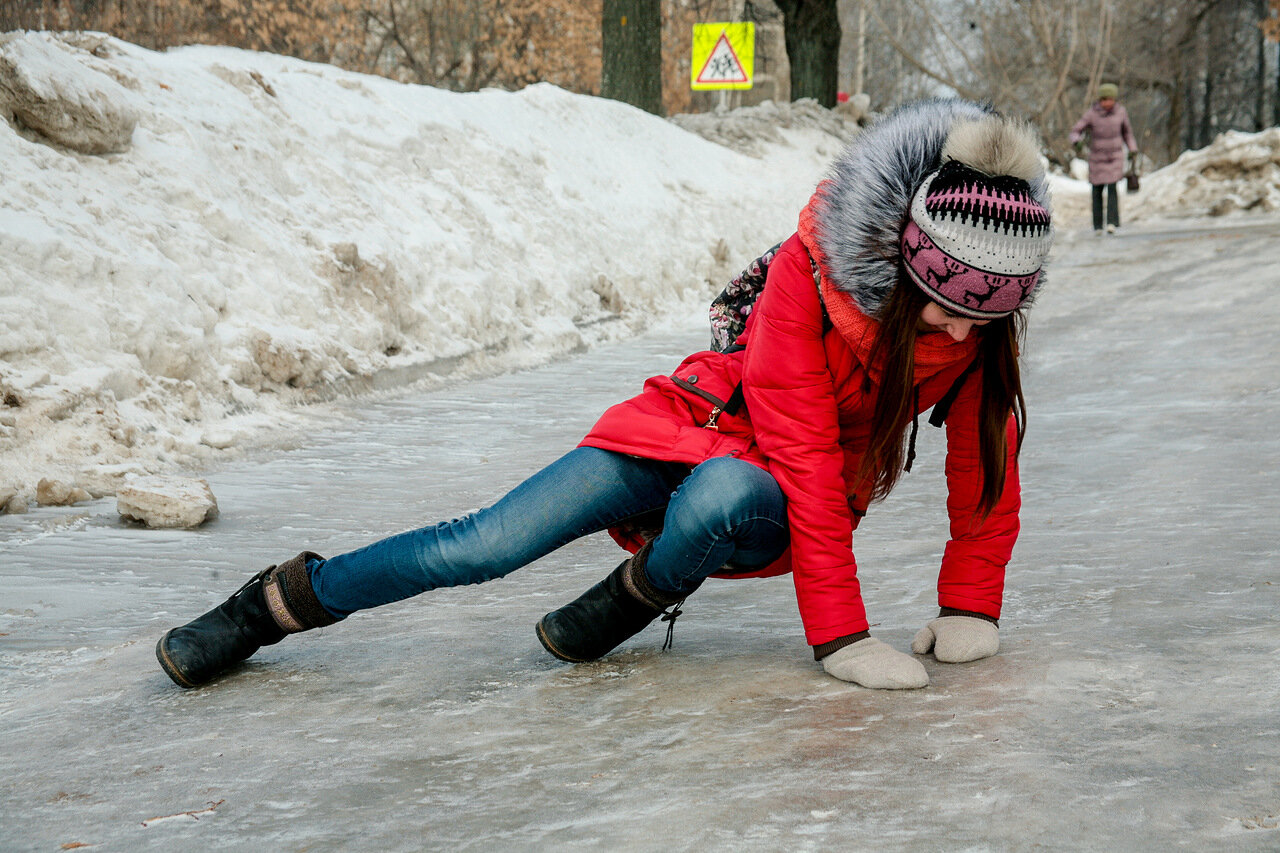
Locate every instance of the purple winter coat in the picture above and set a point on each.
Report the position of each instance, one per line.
(1109, 136)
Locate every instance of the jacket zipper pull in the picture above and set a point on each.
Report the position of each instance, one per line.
(712, 418)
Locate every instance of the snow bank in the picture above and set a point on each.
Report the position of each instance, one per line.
(1237, 172)
(45, 88)
(274, 233)
(755, 130)
(1072, 199)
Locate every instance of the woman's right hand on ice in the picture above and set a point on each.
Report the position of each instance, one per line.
(874, 664)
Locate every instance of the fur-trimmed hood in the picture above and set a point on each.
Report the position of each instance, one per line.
(854, 222)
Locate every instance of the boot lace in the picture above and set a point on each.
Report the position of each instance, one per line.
(670, 617)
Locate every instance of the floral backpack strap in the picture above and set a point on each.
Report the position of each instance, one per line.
(731, 308)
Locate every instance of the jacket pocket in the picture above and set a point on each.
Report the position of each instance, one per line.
(721, 404)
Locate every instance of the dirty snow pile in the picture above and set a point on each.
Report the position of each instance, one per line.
(1237, 172)
(754, 130)
(195, 243)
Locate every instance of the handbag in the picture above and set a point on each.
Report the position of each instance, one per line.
(1131, 183)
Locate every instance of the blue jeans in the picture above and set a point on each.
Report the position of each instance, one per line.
(724, 511)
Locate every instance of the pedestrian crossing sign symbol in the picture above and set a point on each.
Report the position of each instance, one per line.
(723, 55)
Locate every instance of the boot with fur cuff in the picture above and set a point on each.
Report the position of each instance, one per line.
(609, 613)
(274, 603)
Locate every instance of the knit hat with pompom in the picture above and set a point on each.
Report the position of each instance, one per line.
(976, 238)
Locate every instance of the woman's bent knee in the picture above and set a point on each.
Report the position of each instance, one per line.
(725, 491)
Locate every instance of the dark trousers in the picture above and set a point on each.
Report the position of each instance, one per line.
(1113, 206)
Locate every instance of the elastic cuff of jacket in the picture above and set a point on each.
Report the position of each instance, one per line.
(290, 597)
(951, 611)
(820, 652)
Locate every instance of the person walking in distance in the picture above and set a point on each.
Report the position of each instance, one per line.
(1106, 123)
(904, 288)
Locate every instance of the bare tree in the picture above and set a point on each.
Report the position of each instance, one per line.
(1260, 68)
(1271, 30)
(632, 53)
(310, 29)
(439, 42)
(1187, 69)
(902, 58)
(812, 30)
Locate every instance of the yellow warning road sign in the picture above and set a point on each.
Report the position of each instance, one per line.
(723, 55)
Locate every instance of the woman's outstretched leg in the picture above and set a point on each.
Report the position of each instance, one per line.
(585, 491)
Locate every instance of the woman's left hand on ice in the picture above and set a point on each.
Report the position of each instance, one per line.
(877, 665)
(956, 639)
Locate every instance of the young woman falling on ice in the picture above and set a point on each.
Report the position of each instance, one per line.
(905, 284)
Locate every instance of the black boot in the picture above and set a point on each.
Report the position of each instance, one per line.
(275, 602)
(603, 617)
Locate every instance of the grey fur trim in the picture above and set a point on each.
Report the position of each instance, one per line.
(862, 211)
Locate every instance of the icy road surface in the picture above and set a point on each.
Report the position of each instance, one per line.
(1134, 704)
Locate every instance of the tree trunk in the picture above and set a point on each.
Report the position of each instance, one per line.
(1173, 131)
(632, 53)
(859, 81)
(1210, 69)
(1193, 122)
(1260, 86)
(812, 32)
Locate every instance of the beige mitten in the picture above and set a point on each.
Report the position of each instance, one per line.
(874, 664)
(955, 639)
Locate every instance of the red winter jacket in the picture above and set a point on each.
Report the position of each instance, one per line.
(806, 422)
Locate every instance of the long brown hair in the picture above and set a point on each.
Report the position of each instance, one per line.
(998, 345)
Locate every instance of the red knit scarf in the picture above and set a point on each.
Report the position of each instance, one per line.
(935, 351)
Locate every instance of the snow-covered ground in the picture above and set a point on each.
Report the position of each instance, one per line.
(274, 235)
